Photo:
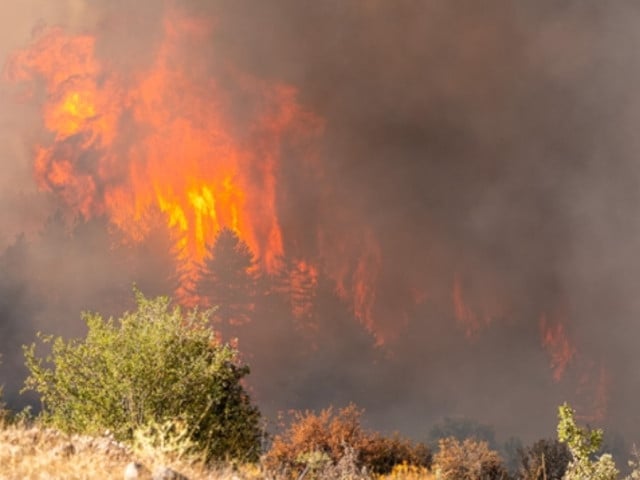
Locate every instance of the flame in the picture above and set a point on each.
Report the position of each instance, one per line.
(364, 293)
(356, 281)
(465, 317)
(303, 282)
(187, 162)
(168, 143)
(473, 320)
(557, 344)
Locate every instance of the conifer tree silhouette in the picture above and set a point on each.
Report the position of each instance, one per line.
(229, 278)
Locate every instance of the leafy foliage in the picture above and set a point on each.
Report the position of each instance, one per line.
(583, 444)
(544, 460)
(332, 438)
(151, 366)
(469, 459)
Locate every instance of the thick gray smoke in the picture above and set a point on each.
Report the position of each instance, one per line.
(489, 145)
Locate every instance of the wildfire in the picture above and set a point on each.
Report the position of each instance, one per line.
(473, 320)
(169, 142)
(556, 341)
(202, 152)
(187, 161)
(303, 281)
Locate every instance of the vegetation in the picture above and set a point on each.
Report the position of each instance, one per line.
(152, 366)
(158, 386)
(469, 459)
(583, 444)
(322, 441)
(229, 278)
(35, 453)
(544, 460)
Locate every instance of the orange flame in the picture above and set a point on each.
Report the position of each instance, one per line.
(168, 142)
(303, 282)
(557, 344)
(471, 320)
(188, 163)
(465, 317)
(356, 282)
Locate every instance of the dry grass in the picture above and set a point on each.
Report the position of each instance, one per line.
(36, 453)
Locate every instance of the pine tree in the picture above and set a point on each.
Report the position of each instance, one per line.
(229, 278)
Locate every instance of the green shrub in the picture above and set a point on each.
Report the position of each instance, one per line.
(583, 444)
(152, 366)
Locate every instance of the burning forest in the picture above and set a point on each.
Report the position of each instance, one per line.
(425, 208)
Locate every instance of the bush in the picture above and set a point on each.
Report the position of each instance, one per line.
(330, 438)
(583, 444)
(149, 367)
(382, 454)
(468, 460)
(544, 460)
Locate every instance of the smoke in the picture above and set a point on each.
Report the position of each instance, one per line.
(477, 163)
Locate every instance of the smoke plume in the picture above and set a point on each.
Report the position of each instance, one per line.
(439, 198)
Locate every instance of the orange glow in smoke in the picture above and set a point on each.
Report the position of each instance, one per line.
(303, 282)
(474, 319)
(557, 344)
(465, 317)
(593, 387)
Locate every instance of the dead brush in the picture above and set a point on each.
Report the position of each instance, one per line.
(334, 445)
